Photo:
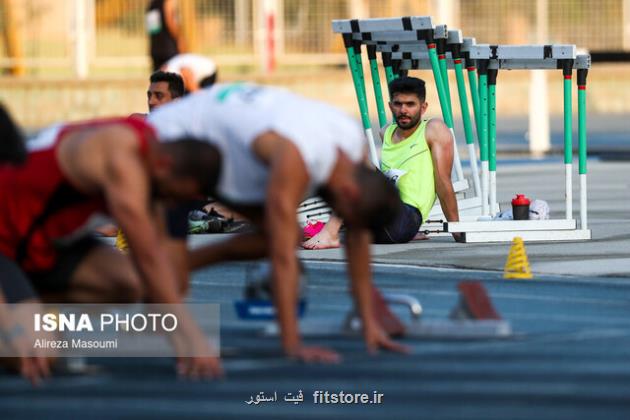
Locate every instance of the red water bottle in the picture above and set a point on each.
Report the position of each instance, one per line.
(520, 207)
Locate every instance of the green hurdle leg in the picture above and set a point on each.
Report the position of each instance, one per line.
(474, 90)
(444, 103)
(355, 64)
(437, 75)
(441, 51)
(492, 137)
(359, 71)
(376, 83)
(468, 131)
(581, 82)
(387, 64)
(483, 134)
(567, 72)
(389, 73)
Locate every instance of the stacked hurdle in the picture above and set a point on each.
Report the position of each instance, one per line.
(411, 43)
(411, 32)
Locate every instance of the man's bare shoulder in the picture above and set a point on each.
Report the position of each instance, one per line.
(111, 144)
(437, 131)
(117, 137)
(435, 124)
(383, 129)
(88, 154)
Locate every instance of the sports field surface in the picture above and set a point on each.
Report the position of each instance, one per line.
(569, 358)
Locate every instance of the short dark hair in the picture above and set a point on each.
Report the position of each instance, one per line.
(197, 159)
(12, 149)
(208, 80)
(174, 80)
(408, 85)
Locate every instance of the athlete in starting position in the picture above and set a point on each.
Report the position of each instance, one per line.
(278, 149)
(73, 173)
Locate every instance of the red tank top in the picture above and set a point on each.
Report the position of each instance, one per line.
(39, 207)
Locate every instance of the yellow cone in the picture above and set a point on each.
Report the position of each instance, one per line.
(517, 264)
(121, 241)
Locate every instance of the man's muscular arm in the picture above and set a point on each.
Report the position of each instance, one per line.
(288, 180)
(440, 141)
(127, 191)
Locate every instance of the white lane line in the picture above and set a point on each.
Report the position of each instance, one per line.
(559, 278)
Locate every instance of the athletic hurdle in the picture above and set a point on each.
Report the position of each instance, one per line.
(395, 29)
(469, 208)
(393, 52)
(490, 59)
(416, 29)
(404, 35)
(407, 57)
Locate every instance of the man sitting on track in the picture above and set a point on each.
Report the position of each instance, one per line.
(417, 156)
(164, 87)
(73, 173)
(279, 148)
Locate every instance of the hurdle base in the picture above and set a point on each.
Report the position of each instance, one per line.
(510, 225)
(468, 208)
(460, 185)
(529, 236)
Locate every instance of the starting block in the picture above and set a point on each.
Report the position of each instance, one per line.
(474, 317)
(257, 303)
(262, 309)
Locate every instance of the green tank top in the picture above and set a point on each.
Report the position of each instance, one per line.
(408, 163)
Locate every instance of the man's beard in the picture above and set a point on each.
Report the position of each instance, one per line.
(413, 121)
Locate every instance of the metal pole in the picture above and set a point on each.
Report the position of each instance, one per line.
(387, 64)
(482, 65)
(81, 57)
(376, 83)
(567, 71)
(626, 24)
(13, 38)
(441, 51)
(241, 22)
(492, 137)
(359, 87)
(468, 131)
(389, 73)
(444, 103)
(474, 89)
(581, 82)
(539, 141)
(267, 14)
(439, 84)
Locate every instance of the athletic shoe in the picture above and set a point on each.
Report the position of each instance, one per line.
(238, 226)
(215, 224)
(197, 222)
